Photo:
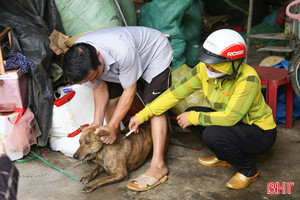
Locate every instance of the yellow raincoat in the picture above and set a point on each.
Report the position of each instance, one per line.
(235, 100)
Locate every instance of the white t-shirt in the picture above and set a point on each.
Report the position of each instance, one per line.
(129, 53)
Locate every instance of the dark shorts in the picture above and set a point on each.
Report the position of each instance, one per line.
(114, 89)
(158, 85)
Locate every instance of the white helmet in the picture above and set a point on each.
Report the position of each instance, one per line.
(222, 46)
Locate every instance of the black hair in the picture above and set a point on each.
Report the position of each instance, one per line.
(79, 60)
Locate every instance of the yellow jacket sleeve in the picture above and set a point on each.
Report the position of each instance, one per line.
(193, 117)
(172, 96)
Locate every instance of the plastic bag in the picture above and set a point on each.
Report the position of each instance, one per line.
(180, 19)
(81, 16)
(281, 99)
(18, 133)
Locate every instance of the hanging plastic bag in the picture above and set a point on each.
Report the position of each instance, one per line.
(17, 132)
(7, 121)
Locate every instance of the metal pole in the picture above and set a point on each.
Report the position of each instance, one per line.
(120, 11)
(125, 23)
(249, 24)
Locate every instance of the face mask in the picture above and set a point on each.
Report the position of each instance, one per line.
(211, 74)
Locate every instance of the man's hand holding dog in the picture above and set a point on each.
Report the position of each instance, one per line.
(134, 124)
(108, 139)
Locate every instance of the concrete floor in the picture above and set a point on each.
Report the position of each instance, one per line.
(187, 178)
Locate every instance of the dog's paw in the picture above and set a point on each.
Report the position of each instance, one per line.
(85, 180)
(87, 190)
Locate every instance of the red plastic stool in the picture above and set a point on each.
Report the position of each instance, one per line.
(271, 78)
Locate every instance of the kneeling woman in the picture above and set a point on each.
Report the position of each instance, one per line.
(238, 123)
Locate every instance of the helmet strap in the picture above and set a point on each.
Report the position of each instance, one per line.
(235, 71)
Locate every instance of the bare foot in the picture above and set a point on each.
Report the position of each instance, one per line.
(153, 172)
(156, 172)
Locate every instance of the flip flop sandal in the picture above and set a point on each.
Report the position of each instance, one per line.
(145, 183)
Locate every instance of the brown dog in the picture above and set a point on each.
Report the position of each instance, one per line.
(117, 159)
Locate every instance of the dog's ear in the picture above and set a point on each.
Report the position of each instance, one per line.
(103, 132)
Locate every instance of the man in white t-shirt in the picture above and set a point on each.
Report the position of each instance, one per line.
(112, 61)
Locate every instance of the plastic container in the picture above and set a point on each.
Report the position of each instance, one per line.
(72, 109)
(63, 90)
(288, 27)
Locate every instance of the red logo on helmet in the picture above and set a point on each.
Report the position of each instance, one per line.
(234, 51)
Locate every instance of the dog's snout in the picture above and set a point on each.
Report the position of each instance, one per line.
(76, 156)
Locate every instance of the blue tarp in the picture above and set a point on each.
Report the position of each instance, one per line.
(281, 99)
